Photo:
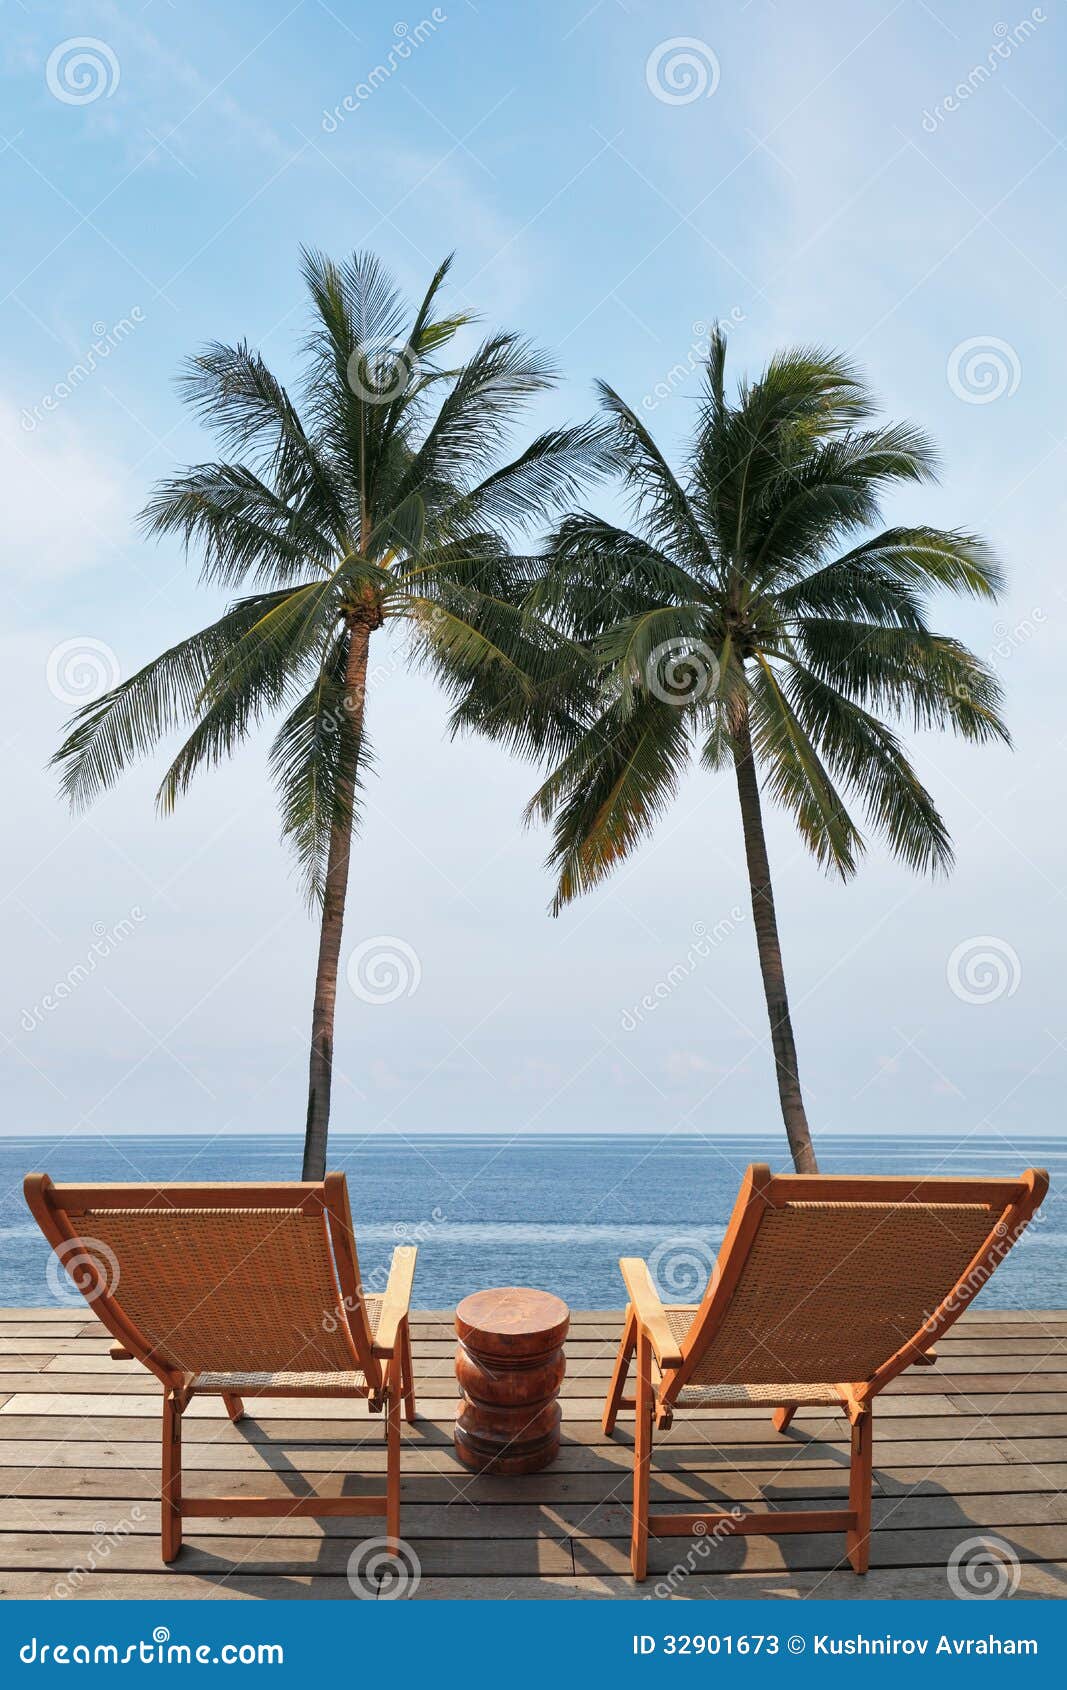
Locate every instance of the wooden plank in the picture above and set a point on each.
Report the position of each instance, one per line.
(54, 1313)
(263, 1553)
(99, 1373)
(102, 1518)
(809, 1434)
(889, 1548)
(92, 1355)
(1039, 1581)
(121, 1478)
(123, 1400)
(41, 1329)
(171, 1585)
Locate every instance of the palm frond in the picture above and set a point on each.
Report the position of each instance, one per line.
(244, 527)
(930, 679)
(868, 757)
(108, 734)
(796, 778)
(608, 792)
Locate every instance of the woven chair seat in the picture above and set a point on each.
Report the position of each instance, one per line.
(341, 1382)
(680, 1319)
(742, 1396)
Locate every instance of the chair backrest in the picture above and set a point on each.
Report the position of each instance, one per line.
(845, 1280)
(216, 1278)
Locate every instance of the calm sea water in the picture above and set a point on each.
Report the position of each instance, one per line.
(556, 1212)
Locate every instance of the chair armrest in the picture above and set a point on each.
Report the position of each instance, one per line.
(651, 1314)
(397, 1299)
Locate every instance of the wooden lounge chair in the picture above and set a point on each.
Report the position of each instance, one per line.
(825, 1289)
(240, 1291)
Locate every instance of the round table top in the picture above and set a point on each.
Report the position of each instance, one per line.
(514, 1317)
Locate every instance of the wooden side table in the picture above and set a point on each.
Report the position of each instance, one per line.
(510, 1366)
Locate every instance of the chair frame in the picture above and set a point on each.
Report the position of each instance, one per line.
(382, 1356)
(647, 1336)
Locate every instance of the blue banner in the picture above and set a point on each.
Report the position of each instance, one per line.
(552, 1643)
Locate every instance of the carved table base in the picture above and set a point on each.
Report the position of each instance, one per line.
(510, 1366)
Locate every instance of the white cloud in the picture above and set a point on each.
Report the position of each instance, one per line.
(65, 504)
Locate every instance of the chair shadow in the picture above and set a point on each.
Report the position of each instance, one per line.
(682, 1567)
(678, 1567)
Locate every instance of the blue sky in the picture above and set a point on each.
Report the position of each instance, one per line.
(888, 179)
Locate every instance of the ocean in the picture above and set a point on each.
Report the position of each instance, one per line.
(552, 1211)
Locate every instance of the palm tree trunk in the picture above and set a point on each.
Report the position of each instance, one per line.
(770, 952)
(333, 915)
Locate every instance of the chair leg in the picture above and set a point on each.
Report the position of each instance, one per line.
(781, 1417)
(171, 1489)
(622, 1368)
(642, 1458)
(235, 1408)
(394, 1397)
(861, 1474)
(407, 1374)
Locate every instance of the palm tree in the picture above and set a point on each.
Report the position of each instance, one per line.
(377, 498)
(746, 618)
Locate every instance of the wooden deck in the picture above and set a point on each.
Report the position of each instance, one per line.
(974, 1447)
